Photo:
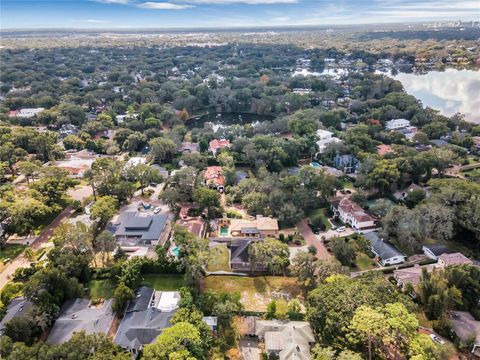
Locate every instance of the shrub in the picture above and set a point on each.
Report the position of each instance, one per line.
(312, 249)
(281, 237)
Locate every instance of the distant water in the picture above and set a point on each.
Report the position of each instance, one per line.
(448, 91)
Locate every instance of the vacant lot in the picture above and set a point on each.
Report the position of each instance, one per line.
(220, 259)
(10, 251)
(163, 282)
(256, 291)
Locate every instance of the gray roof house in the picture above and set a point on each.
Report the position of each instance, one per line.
(239, 257)
(386, 252)
(347, 163)
(286, 339)
(81, 315)
(145, 318)
(133, 228)
(17, 308)
(435, 250)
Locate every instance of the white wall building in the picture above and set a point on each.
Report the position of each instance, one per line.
(396, 124)
(324, 138)
(29, 112)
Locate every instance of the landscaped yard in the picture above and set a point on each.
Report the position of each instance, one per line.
(10, 251)
(220, 259)
(319, 216)
(101, 289)
(163, 282)
(256, 291)
(364, 262)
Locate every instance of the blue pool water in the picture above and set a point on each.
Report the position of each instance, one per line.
(176, 251)
(315, 165)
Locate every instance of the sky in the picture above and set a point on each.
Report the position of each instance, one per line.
(108, 14)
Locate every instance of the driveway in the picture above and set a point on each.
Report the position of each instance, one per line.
(249, 349)
(80, 192)
(313, 239)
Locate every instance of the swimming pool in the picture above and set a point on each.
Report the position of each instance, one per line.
(224, 231)
(176, 251)
(315, 165)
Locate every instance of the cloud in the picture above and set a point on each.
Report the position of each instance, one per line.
(163, 6)
(94, 21)
(226, 2)
(123, 2)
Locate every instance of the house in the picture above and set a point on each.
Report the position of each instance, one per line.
(211, 321)
(67, 129)
(76, 166)
(260, 226)
(188, 147)
(240, 259)
(195, 225)
(435, 250)
(216, 145)
(81, 315)
(146, 316)
(386, 252)
(214, 179)
(134, 161)
(384, 149)
(453, 259)
(18, 307)
(402, 194)
(161, 170)
(466, 327)
(409, 132)
(26, 113)
(324, 138)
(285, 339)
(352, 214)
(132, 228)
(347, 163)
(439, 142)
(396, 124)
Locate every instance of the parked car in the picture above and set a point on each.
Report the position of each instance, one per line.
(157, 210)
(341, 229)
(437, 339)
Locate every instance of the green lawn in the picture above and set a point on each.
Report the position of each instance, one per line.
(320, 215)
(255, 291)
(363, 262)
(163, 282)
(101, 289)
(10, 251)
(220, 259)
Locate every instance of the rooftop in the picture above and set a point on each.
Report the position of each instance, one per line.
(139, 225)
(384, 249)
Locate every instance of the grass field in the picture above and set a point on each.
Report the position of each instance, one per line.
(101, 289)
(10, 251)
(220, 259)
(163, 282)
(256, 292)
(363, 262)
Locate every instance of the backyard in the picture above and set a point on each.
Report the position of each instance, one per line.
(364, 262)
(10, 252)
(319, 219)
(256, 292)
(219, 260)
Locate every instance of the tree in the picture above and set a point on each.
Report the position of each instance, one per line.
(402, 326)
(304, 122)
(162, 149)
(28, 169)
(207, 199)
(271, 252)
(21, 329)
(121, 296)
(180, 341)
(304, 268)
(344, 251)
(145, 174)
(104, 244)
(104, 209)
(73, 142)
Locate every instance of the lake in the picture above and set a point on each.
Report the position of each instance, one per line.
(450, 91)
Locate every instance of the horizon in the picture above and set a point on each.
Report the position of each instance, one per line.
(121, 15)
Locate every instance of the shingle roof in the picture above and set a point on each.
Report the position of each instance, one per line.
(17, 308)
(147, 227)
(454, 259)
(381, 247)
(77, 315)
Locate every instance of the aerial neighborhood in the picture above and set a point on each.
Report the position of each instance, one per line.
(235, 201)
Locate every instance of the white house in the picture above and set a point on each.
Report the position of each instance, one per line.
(324, 138)
(27, 113)
(387, 253)
(352, 214)
(396, 124)
(435, 250)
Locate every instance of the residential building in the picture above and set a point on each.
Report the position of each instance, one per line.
(348, 164)
(133, 228)
(67, 129)
(18, 307)
(134, 161)
(352, 214)
(214, 179)
(396, 124)
(453, 259)
(240, 258)
(161, 170)
(285, 339)
(188, 147)
(81, 315)
(409, 132)
(258, 227)
(26, 113)
(402, 194)
(216, 145)
(435, 250)
(439, 142)
(212, 322)
(324, 138)
(387, 253)
(384, 149)
(146, 316)
(76, 166)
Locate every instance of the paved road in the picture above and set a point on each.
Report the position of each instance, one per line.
(21, 260)
(312, 239)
